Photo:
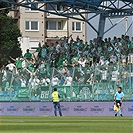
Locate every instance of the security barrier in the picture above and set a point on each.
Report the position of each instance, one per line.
(74, 84)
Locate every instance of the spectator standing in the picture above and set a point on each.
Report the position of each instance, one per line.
(44, 52)
(39, 49)
(18, 62)
(10, 66)
(28, 55)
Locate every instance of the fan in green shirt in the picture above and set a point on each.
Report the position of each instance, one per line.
(82, 44)
(60, 62)
(28, 55)
(31, 67)
(18, 62)
(130, 45)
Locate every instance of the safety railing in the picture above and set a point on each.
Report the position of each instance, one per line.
(74, 84)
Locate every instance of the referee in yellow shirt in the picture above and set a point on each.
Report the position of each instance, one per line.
(56, 102)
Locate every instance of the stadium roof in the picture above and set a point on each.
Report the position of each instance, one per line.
(81, 4)
(129, 1)
(71, 9)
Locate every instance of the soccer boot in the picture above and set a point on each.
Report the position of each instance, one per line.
(121, 115)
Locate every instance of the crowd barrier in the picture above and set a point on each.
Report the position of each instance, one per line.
(74, 84)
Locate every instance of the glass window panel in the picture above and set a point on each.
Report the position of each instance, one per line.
(27, 25)
(78, 26)
(49, 7)
(52, 25)
(34, 25)
(34, 5)
(60, 26)
(73, 26)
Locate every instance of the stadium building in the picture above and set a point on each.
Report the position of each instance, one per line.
(36, 26)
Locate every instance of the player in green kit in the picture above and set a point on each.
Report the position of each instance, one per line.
(118, 98)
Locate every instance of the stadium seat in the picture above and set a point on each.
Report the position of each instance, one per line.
(1, 93)
(132, 97)
(95, 97)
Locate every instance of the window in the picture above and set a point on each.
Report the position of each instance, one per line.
(49, 7)
(60, 26)
(73, 26)
(76, 26)
(27, 25)
(59, 8)
(54, 25)
(33, 7)
(52, 7)
(32, 25)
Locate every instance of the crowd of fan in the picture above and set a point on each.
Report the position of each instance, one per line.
(73, 61)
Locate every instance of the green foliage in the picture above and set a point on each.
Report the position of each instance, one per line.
(9, 45)
(4, 5)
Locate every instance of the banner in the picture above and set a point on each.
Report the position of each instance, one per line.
(67, 93)
(68, 109)
(23, 92)
(96, 92)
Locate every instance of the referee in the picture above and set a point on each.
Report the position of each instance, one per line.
(56, 102)
(118, 98)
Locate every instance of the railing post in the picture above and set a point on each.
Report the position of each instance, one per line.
(93, 84)
(11, 86)
(30, 87)
(72, 77)
(50, 86)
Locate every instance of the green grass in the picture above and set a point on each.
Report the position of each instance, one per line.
(66, 124)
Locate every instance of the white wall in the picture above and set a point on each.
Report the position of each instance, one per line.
(24, 44)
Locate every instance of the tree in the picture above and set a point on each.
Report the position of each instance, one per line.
(9, 33)
(4, 5)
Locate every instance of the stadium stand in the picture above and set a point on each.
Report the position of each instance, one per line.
(82, 71)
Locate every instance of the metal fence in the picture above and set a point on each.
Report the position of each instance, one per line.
(97, 83)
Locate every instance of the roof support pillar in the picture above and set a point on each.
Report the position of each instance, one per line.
(101, 27)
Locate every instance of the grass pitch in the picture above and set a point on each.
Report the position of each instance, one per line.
(66, 124)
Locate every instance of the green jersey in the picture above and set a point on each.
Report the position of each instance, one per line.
(28, 56)
(19, 63)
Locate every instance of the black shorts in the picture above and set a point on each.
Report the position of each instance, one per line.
(118, 103)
